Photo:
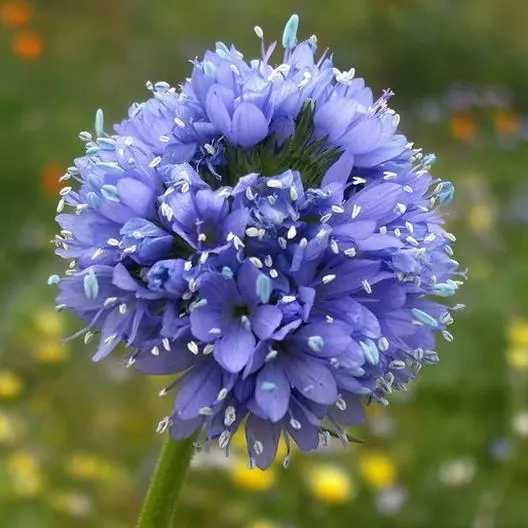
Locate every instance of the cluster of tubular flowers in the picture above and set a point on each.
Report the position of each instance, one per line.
(263, 233)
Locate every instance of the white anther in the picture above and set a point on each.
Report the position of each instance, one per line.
(252, 232)
(327, 279)
(210, 149)
(274, 184)
(155, 162)
(288, 299)
(163, 425)
(356, 210)
(110, 301)
(256, 262)
(97, 253)
(193, 347)
(229, 416)
(366, 286)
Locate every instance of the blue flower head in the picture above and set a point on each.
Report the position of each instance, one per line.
(264, 233)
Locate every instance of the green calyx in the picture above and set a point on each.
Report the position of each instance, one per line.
(299, 152)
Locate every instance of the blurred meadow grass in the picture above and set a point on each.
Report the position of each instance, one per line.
(77, 440)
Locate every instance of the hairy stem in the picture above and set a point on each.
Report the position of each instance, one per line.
(166, 483)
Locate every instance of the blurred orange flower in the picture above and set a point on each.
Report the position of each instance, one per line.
(463, 128)
(51, 173)
(27, 45)
(506, 122)
(15, 14)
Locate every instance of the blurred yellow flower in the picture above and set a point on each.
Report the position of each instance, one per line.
(48, 322)
(262, 524)
(481, 269)
(10, 384)
(330, 484)
(517, 352)
(238, 440)
(377, 469)
(480, 217)
(517, 358)
(10, 428)
(91, 467)
(252, 479)
(50, 352)
(25, 472)
(518, 333)
(22, 462)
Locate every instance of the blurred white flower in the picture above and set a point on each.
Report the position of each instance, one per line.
(457, 472)
(520, 423)
(390, 500)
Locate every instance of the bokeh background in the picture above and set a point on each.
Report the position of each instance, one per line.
(77, 440)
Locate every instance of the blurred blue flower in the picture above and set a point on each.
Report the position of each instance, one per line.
(501, 449)
(267, 233)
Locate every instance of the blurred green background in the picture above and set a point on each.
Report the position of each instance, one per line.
(77, 440)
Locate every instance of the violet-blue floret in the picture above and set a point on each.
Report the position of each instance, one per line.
(266, 235)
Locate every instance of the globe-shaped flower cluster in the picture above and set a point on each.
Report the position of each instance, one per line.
(263, 232)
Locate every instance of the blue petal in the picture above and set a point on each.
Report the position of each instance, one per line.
(199, 389)
(217, 110)
(262, 439)
(265, 320)
(311, 378)
(250, 126)
(234, 349)
(272, 391)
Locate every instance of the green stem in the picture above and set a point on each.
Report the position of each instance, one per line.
(162, 496)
